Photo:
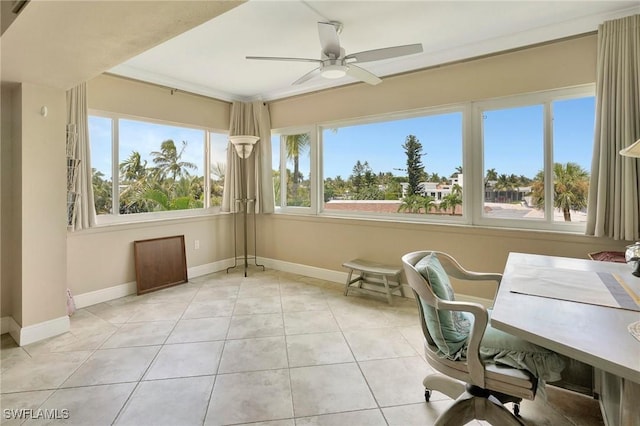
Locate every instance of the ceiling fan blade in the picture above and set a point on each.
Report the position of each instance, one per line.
(307, 76)
(278, 58)
(363, 75)
(385, 53)
(329, 39)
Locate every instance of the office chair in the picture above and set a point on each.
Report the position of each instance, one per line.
(480, 389)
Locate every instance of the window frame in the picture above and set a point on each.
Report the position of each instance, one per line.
(116, 217)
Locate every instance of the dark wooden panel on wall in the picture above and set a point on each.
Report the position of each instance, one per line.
(160, 263)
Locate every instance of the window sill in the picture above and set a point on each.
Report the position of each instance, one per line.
(144, 221)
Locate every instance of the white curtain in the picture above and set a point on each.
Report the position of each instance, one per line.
(250, 119)
(614, 194)
(78, 116)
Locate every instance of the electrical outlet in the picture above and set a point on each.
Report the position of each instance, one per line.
(196, 244)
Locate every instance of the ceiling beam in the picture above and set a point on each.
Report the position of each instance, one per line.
(63, 43)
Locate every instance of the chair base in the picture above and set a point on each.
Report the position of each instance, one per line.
(472, 402)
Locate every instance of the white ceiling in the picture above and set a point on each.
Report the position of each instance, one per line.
(210, 59)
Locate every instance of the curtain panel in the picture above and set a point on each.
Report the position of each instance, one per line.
(250, 119)
(614, 194)
(78, 116)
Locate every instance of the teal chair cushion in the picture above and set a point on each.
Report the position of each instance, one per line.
(448, 329)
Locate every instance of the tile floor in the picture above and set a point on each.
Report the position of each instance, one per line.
(274, 348)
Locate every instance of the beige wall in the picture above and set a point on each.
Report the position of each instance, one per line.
(114, 94)
(41, 223)
(103, 257)
(326, 242)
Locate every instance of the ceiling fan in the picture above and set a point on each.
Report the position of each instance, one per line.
(335, 64)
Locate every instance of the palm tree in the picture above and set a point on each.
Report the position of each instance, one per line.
(428, 203)
(452, 200)
(101, 192)
(570, 188)
(133, 168)
(491, 175)
(296, 145)
(503, 183)
(168, 160)
(411, 204)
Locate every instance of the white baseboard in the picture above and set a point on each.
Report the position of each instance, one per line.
(209, 268)
(104, 295)
(110, 293)
(43, 330)
(308, 271)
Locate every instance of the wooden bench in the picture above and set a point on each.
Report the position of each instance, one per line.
(374, 273)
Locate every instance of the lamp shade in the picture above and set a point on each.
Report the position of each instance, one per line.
(632, 150)
(244, 144)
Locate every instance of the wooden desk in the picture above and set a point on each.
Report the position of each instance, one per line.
(596, 335)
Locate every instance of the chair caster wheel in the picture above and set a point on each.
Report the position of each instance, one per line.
(516, 409)
(427, 394)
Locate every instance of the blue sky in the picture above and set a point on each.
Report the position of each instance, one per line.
(513, 141)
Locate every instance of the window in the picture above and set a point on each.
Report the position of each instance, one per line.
(513, 155)
(150, 167)
(292, 172)
(536, 159)
(411, 166)
(519, 162)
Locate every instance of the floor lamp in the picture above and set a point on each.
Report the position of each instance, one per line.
(244, 147)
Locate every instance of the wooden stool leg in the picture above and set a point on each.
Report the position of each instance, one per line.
(386, 286)
(346, 287)
(362, 278)
(400, 285)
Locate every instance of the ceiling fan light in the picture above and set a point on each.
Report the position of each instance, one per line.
(333, 71)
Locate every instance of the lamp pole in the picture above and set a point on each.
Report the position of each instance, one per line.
(243, 147)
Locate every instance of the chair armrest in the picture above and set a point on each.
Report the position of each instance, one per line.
(481, 319)
(454, 269)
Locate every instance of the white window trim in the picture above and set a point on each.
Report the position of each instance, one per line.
(116, 217)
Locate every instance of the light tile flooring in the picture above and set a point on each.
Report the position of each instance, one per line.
(274, 348)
